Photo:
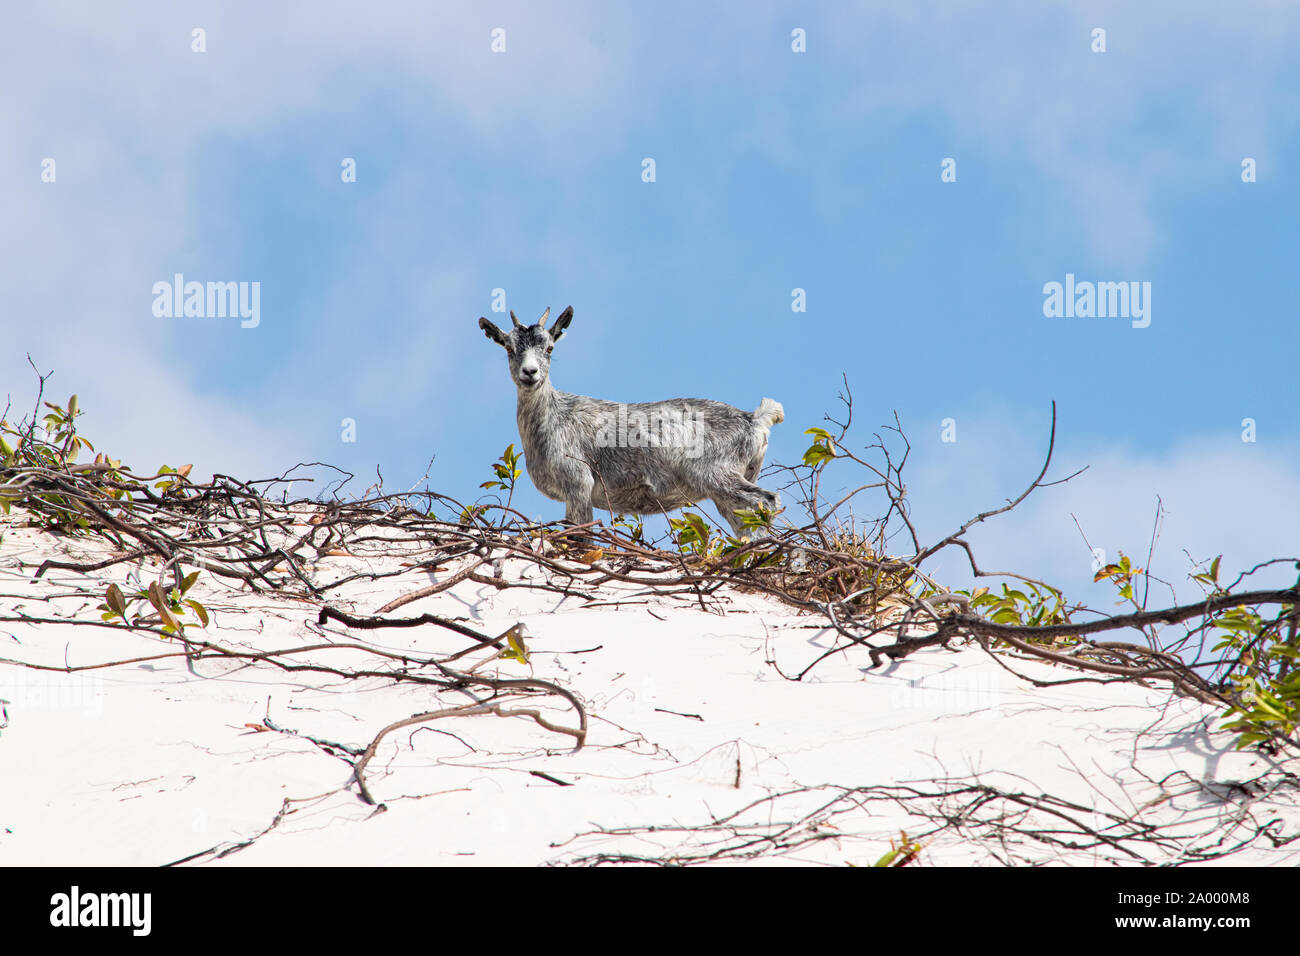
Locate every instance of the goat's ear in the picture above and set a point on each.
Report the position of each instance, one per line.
(492, 332)
(561, 323)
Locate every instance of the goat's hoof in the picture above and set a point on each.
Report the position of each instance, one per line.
(574, 539)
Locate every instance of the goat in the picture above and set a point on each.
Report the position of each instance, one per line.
(641, 458)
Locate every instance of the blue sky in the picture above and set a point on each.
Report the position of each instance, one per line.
(774, 170)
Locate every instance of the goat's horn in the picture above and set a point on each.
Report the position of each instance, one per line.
(541, 323)
(514, 319)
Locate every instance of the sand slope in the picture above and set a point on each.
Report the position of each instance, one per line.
(150, 763)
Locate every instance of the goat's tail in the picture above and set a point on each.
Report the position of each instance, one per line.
(769, 413)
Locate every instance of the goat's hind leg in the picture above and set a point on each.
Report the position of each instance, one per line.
(737, 494)
(729, 515)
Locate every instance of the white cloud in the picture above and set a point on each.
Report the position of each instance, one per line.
(1018, 82)
(116, 96)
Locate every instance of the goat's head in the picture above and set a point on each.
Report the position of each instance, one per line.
(529, 346)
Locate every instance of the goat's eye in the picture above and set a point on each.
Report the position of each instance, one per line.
(550, 349)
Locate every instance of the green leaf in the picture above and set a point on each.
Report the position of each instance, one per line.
(817, 455)
(515, 649)
(159, 600)
(155, 596)
(888, 859)
(200, 610)
(113, 598)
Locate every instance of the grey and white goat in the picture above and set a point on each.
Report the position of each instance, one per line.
(642, 458)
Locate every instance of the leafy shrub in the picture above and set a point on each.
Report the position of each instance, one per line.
(170, 606)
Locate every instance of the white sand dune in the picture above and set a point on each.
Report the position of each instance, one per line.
(149, 762)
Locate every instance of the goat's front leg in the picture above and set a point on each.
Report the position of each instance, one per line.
(576, 513)
(578, 484)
